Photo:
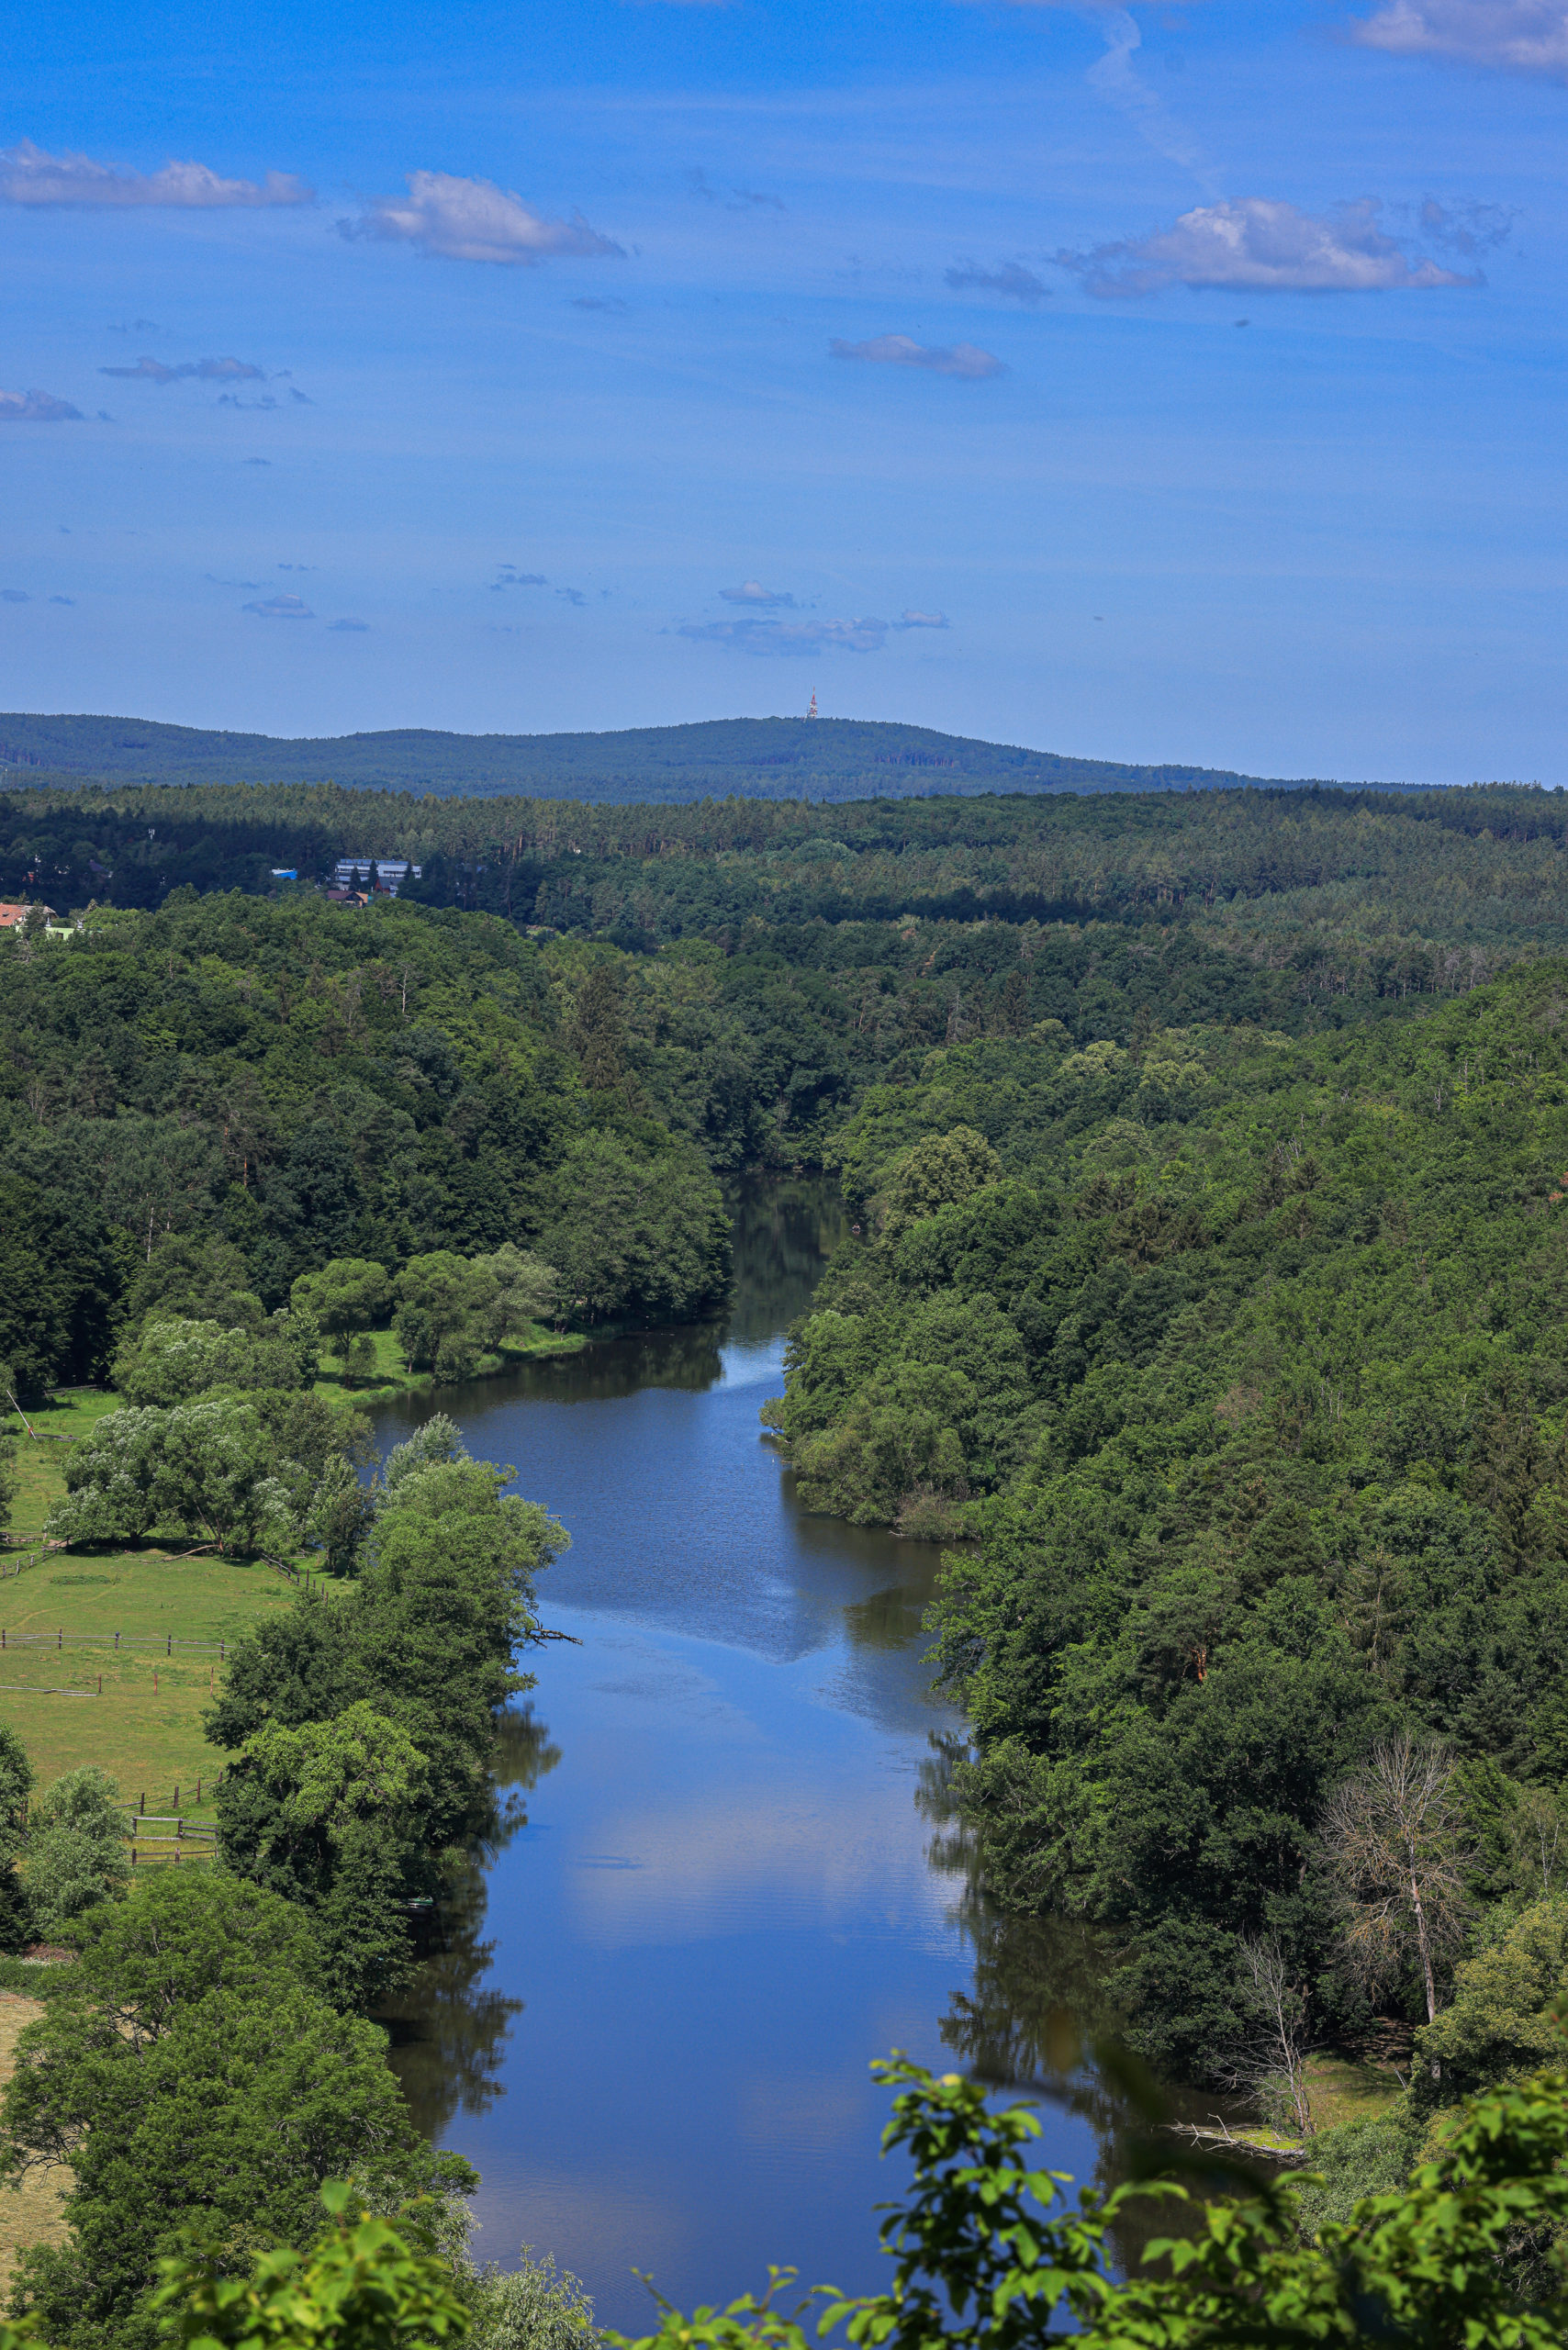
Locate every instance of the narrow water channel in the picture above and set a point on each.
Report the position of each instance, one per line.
(727, 1895)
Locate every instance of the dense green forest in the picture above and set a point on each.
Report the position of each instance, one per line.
(209, 1102)
(305, 1083)
(1206, 1158)
(1241, 1358)
(1362, 892)
(830, 758)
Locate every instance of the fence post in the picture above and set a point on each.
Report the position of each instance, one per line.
(100, 1685)
(176, 1798)
(144, 1799)
(170, 1647)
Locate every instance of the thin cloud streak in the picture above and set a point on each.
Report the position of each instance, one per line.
(281, 608)
(28, 175)
(789, 637)
(211, 371)
(966, 360)
(1009, 277)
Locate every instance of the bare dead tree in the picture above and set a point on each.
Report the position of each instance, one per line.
(1393, 1837)
(1272, 2058)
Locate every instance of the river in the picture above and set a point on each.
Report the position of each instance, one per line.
(651, 2033)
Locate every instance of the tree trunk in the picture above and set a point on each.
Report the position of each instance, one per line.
(1426, 1953)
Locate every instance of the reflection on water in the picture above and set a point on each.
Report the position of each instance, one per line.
(448, 2033)
(650, 2021)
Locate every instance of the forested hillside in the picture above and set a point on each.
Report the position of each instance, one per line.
(1242, 1359)
(218, 1099)
(1382, 892)
(310, 1082)
(830, 758)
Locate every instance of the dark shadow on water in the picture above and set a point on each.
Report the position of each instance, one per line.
(1036, 2017)
(785, 1231)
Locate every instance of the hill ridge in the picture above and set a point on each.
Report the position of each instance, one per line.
(823, 758)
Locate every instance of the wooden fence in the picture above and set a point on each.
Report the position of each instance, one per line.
(167, 1644)
(183, 1839)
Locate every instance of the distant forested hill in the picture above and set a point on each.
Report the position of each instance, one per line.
(766, 758)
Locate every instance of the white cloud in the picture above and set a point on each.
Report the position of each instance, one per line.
(752, 591)
(921, 619)
(1521, 36)
(965, 358)
(1265, 248)
(214, 371)
(281, 608)
(460, 219)
(791, 636)
(29, 177)
(1009, 277)
(36, 407)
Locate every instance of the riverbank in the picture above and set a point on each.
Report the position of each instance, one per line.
(393, 1377)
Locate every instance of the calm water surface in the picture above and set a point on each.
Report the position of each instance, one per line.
(651, 2035)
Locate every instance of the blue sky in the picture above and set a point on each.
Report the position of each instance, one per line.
(602, 364)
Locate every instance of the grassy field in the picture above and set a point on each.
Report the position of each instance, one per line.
(145, 1726)
(29, 2213)
(1341, 2090)
(131, 1706)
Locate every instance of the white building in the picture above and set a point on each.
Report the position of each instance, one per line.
(353, 873)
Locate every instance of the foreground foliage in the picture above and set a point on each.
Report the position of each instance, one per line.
(988, 2253)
